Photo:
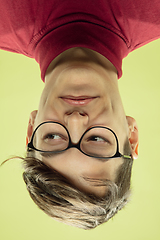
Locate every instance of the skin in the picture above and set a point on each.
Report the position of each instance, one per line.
(77, 72)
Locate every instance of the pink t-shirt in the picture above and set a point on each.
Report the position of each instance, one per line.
(43, 29)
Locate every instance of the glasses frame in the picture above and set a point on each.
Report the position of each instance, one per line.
(72, 145)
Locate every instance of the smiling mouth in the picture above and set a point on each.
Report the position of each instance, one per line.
(78, 100)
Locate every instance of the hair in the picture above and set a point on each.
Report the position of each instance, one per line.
(62, 201)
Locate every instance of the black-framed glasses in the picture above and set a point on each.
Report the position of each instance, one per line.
(97, 141)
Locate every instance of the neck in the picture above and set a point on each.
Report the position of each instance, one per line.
(84, 55)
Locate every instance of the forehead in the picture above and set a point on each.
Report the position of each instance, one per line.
(82, 171)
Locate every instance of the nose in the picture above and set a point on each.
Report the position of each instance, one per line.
(76, 123)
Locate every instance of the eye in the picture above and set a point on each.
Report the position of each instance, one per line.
(52, 136)
(97, 139)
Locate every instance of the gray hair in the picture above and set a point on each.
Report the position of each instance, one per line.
(62, 201)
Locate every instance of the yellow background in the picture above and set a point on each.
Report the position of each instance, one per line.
(20, 88)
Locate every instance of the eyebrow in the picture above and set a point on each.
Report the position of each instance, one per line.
(52, 154)
(49, 154)
(96, 182)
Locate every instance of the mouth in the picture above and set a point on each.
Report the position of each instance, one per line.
(78, 100)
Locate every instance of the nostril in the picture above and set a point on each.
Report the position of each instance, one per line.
(82, 114)
(68, 113)
(76, 112)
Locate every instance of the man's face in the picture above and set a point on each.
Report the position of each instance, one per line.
(80, 95)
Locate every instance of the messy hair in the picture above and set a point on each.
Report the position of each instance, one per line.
(62, 201)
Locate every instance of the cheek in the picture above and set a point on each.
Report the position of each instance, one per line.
(48, 113)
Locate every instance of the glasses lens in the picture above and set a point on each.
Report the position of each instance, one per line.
(51, 137)
(99, 142)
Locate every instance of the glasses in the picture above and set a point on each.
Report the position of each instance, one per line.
(98, 141)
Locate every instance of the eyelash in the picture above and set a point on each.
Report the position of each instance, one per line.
(49, 136)
(93, 137)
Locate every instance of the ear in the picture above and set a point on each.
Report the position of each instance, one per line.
(133, 136)
(30, 126)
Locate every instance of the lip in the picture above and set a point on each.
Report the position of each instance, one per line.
(78, 101)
